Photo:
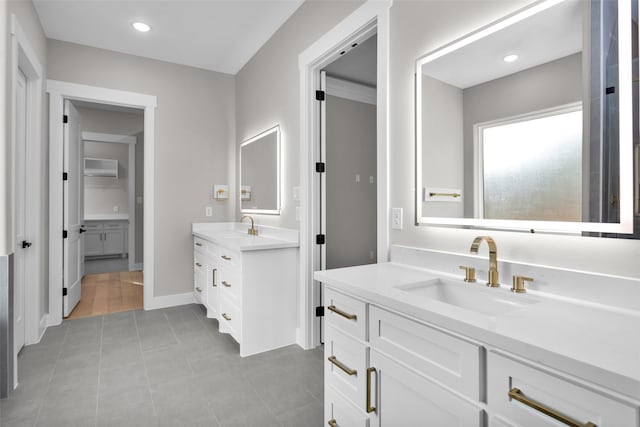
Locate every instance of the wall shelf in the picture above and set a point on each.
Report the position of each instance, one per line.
(100, 167)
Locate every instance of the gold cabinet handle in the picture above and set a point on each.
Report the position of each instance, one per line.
(335, 362)
(227, 284)
(198, 264)
(333, 423)
(516, 394)
(198, 244)
(370, 408)
(342, 313)
(213, 277)
(226, 258)
(198, 289)
(226, 316)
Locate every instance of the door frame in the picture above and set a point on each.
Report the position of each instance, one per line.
(23, 57)
(58, 92)
(370, 18)
(131, 183)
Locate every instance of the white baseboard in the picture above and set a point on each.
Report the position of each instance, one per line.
(170, 301)
(42, 328)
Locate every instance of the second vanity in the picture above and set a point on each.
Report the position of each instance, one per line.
(248, 282)
(410, 343)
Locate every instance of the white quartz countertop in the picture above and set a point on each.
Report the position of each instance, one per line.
(107, 217)
(234, 236)
(594, 343)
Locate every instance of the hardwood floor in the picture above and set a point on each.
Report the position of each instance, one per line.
(106, 293)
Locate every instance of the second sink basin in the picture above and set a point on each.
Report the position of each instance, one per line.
(469, 296)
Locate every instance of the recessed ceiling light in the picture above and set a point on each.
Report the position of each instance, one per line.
(510, 58)
(141, 26)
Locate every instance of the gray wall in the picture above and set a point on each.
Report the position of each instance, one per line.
(351, 206)
(548, 85)
(195, 127)
(120, 123)
(421, 27)
(267, 92)
(442, 144)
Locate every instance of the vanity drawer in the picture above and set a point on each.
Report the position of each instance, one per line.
(113, 226)
(199, 245)
(230, 284)
(345, 365)
(346, 313)
(562, 395)
(447, 359)
(338, 408)
(229, 258)
(230, 318)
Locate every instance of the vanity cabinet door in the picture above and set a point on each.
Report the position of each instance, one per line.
(340, 413)
(113, 239)
(546, 390)
(407, 399)
(212, 285)
(93, 241)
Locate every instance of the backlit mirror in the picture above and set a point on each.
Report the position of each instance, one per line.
(527, 123)
(260, 173)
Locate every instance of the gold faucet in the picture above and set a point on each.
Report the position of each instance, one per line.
(493, 258)
(252, 230)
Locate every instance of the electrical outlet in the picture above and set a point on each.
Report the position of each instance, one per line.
(371, 179)
(372, 255)
(208, 211)
(396, 218)
(116, 208)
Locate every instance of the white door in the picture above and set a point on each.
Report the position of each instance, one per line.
(73, 209)
(322, 180)
(22, 245)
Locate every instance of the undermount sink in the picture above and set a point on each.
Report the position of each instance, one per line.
(469, 296)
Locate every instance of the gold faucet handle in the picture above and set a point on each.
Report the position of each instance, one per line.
(518, 284)
(469, 273)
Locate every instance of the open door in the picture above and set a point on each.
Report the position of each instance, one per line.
(322, 220)
(73, 214)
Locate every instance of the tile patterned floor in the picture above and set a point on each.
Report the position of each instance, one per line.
(166, 367)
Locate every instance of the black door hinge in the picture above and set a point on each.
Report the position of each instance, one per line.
(64, 292)
(65, 234)
(320, 311)
(320, 95)
(610, 90)
(65, 119)
(65, 176)
(320, 239)
(320, 167)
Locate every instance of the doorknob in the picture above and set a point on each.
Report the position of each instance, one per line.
(82, 229)
(26, 244)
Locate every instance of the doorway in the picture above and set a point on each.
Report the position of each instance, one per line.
(59, 93)
(111, 195)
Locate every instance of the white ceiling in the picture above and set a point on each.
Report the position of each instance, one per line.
(217, 35)
(544, 37)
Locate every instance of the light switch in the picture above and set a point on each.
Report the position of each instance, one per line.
(371, 179)
(396, 218)
(116, 208)
(208, 211)
(357, 177)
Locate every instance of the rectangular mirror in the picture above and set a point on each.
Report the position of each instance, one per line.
(260, 173)
(528, 122)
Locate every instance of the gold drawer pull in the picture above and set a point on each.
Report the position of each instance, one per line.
(342, 313)
(213, 277)
(332, 423)
(198, 289)
(516, 394)
(370, 408)
(348, 371)
(227, 284)
(227, 258)
(198, 264)
(198, 244)
(226, 316)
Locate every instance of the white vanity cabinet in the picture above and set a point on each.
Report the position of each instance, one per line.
(382, 369)
(251, 291)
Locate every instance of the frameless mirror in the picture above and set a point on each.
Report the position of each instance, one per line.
(260, 173)
(527, 123)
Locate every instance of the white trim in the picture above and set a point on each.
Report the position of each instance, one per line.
(371, 17)
(131, 181)
(625, 132)
(25, 59)
(108, 137)
(349, 90)
(58, 92)
(171, 300)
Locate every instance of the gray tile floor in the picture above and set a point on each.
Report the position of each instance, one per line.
(166, 367)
